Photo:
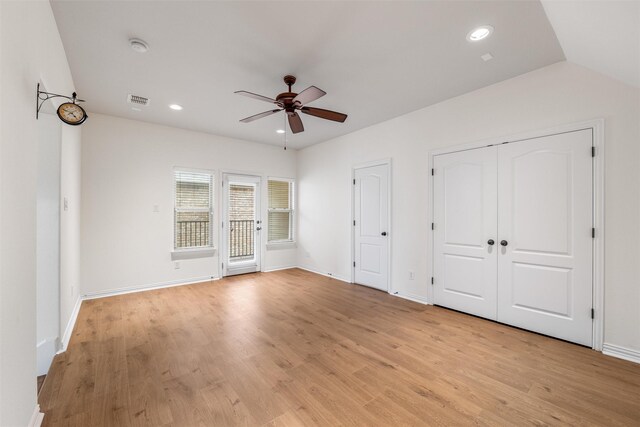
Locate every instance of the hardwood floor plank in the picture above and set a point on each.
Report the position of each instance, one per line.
(294, 348)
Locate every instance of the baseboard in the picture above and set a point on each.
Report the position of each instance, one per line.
(621, 352)
(36, 417)
(324, 274)
(289, 267)
(70, 325)
(148, 287)
(411, 297)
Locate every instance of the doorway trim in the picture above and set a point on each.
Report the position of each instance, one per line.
(259, 246)
(381, 162)
(597, 129)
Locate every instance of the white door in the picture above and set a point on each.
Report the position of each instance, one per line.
(241, 224)
(371, 208)
(545, 226)
(465, 231)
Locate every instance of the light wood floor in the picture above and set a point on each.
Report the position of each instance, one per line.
(292, 348)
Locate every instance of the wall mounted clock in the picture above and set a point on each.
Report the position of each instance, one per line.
(71, 113)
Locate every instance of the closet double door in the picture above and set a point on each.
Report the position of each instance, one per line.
(513, 234)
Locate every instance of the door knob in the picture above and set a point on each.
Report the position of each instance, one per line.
(384, 233)
(504, 242)
(490, 242)
(258, 228)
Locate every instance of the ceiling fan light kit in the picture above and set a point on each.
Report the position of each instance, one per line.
(292, 103)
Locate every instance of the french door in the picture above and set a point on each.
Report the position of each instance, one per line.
(513, 234)
(465, 203)
(241, 224)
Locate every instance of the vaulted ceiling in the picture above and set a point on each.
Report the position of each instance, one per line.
(375, 60)
(601, 35)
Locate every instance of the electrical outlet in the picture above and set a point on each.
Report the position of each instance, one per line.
(412, 275)
(176, 265)
(156, 208)
(307, 254)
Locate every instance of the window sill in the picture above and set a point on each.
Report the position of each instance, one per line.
(192, 253)
(281, 245)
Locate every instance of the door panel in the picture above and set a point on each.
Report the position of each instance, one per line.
(465, 212)
(241, 224)
(371, 208)
(545, 217)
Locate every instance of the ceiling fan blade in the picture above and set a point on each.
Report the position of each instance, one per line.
(324, 114)
(295, 122)
(255, 96)
(308, 95)
(259, 116)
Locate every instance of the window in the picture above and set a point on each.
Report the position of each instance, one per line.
(193, 209)
(281, 210)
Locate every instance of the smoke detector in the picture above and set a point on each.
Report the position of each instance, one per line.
(138, 100)
(138, 45)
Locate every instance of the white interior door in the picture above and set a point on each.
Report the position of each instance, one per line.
(371, 209)
(545, 226)
(241, 224)
(465, 231)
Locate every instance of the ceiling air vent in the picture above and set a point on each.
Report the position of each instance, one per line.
(138, 100)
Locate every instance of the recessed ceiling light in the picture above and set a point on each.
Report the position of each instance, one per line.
(138, 45)
(175, 107)
(480, 33)
(280, 131)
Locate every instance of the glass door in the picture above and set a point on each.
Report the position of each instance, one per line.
(241, 224)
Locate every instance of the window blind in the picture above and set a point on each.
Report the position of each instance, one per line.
(280, 218)
(193, 201)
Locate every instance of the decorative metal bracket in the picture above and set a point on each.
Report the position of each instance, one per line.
(42, 96)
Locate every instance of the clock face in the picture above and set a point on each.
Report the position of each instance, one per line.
(71, 114)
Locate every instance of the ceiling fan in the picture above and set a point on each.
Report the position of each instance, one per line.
(291, 103)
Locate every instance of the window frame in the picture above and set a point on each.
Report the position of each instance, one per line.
(194, 251)
(291, 211)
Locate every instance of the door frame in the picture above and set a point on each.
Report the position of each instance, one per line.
(381, 162)
(597, 129)
(222, 255)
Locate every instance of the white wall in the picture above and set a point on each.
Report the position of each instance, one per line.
(559, 94)
(70, 183)
(48, 241)
(127, 169)
(30, 50)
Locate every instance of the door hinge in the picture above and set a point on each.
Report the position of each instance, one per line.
(222, 224)
(433, 171)
(354, 181)
(223, 265)
(593, 313)
(593, 151)
(432, 280)
(593, 233)
(354, 222)
(354, 263)
(433, 226)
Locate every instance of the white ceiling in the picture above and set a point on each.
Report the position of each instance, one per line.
(601, 35)
(375, 60)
